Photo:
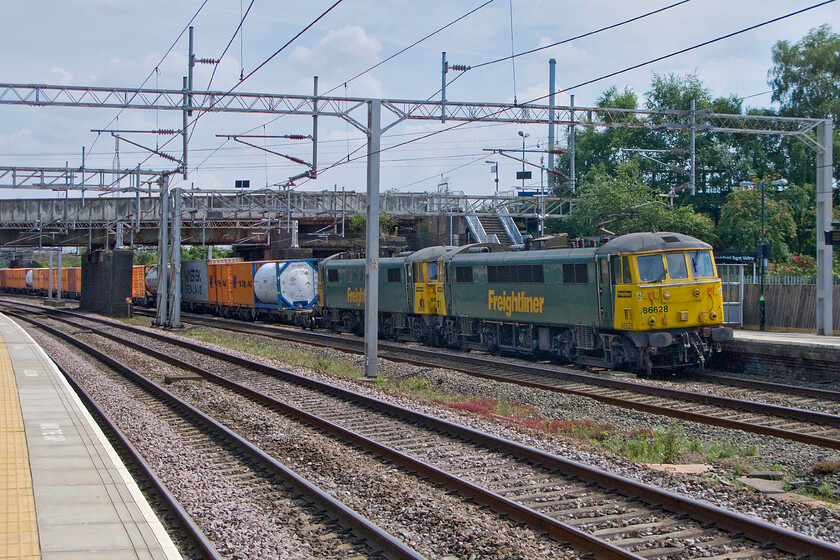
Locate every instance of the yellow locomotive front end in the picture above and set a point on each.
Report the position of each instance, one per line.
(668, 290)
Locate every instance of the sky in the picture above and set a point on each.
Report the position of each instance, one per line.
(126, 43)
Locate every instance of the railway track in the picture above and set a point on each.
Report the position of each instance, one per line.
(232, 465)
(592, 510)
(749, 408)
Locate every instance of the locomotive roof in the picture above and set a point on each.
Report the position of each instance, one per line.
(641, 242)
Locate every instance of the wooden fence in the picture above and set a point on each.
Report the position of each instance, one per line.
(787, 307)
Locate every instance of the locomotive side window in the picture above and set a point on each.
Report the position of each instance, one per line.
(464, 274)
(651, 268)
(701, 264)
(516, 274)
(621, 270)
(394, 275)
(575, 274)
(332, 275)
(676, 266)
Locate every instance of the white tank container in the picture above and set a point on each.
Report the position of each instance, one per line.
(287, 284)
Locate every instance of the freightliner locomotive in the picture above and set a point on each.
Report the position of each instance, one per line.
(640, 302)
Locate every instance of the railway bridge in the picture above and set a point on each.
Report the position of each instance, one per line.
(262, 218)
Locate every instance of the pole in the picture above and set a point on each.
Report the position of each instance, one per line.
(58, 271)
(523, 162)
(692, 180)
(763, 264)
(175, 292)
(315, 129)
(551, 64)
(497, 178)
(184, 135)
(572, 145)
(190, 66)
(825, 180)
(372, 241)
(443, 69)
(163, 253)
(50, 279)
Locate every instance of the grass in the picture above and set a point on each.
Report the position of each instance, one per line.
(318, 360)
(644, 445)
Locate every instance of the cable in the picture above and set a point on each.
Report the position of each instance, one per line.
(278, 51)
(512, 57)
(235, 33)
(156, 65)
(587, 34)
(687, 49)
(380, 63)
(222, 56)
(462, 124)
(414, 44)
(619, 24)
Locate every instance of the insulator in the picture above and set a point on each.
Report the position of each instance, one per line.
(459, 67)
(295, 136)
(166, 131)
(206, 61)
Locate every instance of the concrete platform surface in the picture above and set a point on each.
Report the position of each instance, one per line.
(64, 492)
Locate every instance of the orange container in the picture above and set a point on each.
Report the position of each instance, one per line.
(220, 279)
(237, 290)
(16, 279)
(40, 278)
(74, 280)
(138, 281)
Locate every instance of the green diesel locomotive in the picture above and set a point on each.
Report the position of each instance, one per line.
(639, 302)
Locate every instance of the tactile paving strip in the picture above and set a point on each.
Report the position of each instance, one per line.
(18, 527)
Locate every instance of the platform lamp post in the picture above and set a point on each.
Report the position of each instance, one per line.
(495, 169)
(763, 249)
(524, 135)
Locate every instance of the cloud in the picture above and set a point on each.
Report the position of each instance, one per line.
(346, 51)
(63, 77)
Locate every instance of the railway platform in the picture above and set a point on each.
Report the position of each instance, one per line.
(798, 356)
(64, 492)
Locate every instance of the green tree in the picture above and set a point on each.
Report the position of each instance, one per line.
(625, 204)
(806, 76)
(739, 227)
(145, 257)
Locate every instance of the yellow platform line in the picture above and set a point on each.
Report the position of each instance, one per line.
(18, 526)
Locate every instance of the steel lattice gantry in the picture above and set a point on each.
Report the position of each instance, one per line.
(188, 101)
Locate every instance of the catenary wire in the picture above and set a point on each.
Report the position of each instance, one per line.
(657, 59)
(172, 46)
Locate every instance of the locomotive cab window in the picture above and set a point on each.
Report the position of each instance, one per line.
(701, 264)
(332, 275)
(651, 268)
(394, 275)
(676, 266)
(432, 271)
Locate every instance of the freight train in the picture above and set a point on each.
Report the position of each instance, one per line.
(35, 281)
(640, 302)
(266, 290)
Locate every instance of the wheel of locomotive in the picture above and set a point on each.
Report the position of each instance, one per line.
(350, 323)
(491, 341)
(386, 328)
(452, 335)
(624, 354)
(419, 332)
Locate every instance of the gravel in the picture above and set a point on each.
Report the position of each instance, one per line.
(454, 529)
